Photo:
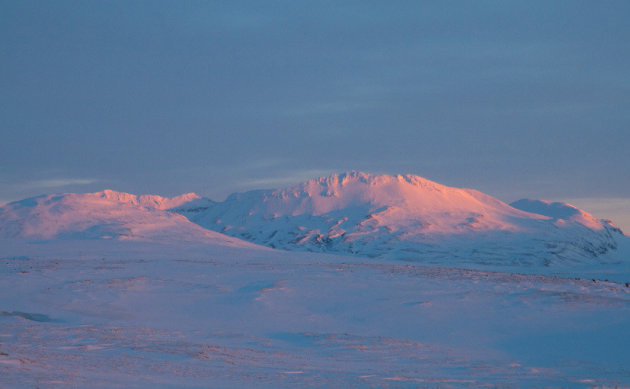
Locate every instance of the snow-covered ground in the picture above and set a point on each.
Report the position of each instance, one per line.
(106, 313)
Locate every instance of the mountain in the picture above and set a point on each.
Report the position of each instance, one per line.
(394, 217)
(106, 215)
(411, 218)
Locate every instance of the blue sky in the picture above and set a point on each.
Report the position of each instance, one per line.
(516, 99)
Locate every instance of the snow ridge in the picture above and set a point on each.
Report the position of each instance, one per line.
(147, 201)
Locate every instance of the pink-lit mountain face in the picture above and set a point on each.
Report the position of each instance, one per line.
(105, 215)
(411, 218)
(394, 217)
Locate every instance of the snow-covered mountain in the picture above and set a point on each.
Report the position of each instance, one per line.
(409, 217)
(395, 217)
(106, 215)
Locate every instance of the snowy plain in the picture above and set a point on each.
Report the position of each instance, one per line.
(111, 290)
(132, 314)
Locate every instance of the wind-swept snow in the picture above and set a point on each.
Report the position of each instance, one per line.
(129, 314)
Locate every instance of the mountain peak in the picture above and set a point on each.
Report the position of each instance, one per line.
(356, 189)
(374, 180)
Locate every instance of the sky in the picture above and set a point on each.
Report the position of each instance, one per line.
(518, 99)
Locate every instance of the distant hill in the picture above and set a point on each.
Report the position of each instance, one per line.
(105, 215)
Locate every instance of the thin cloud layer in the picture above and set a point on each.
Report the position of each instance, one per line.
(522, 99)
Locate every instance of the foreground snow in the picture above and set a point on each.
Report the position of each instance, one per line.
(137, 314)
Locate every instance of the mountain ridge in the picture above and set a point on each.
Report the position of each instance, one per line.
(405, 217)
(385, 216)
(105, 215)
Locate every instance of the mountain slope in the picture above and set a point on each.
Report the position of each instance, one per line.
(105, 215)
(408, 217)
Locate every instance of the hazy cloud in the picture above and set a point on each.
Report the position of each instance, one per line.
(514, 99)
